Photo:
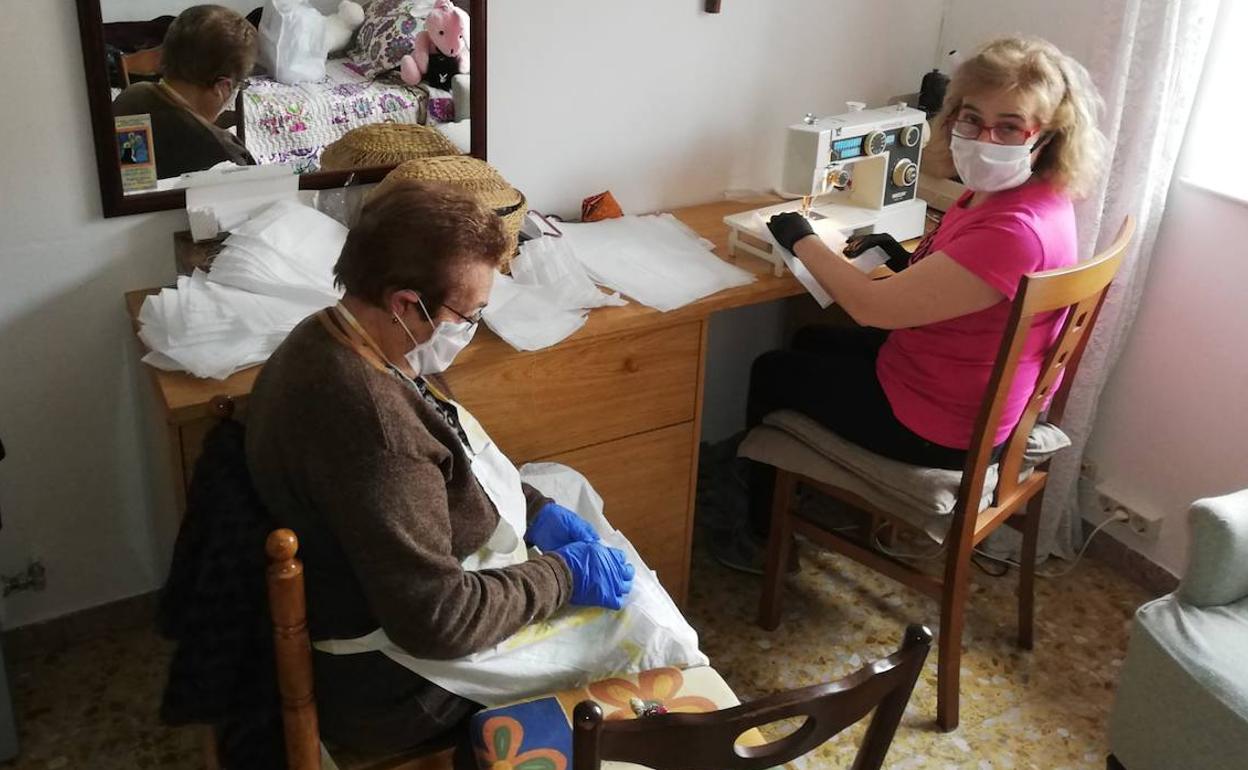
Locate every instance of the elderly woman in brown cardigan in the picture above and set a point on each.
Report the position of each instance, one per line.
(352, 446)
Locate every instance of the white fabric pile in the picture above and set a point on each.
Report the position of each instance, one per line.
(273, 272)
(655, 260)
(546, 299)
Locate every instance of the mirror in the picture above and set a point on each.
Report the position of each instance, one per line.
(336, 92)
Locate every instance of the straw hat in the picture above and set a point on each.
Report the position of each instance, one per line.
(385, 144)
(475, 176)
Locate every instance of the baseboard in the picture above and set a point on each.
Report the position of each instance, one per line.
(55, 635)
(1131, 564)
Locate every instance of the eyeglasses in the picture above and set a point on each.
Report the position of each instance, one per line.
(1000, 133)
(236, 86)
(472, 320)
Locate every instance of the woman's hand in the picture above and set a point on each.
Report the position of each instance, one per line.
(789, 228)
(556, 526)
(601, 576)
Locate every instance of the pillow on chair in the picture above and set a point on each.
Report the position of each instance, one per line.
(794, 442)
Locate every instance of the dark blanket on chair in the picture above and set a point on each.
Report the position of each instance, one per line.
(215, 606)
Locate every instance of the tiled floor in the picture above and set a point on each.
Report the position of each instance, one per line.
(1045, 710)
(94, 706)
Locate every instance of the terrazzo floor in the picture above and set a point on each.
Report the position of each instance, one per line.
(94, 705)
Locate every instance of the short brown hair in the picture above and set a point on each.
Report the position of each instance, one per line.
(206, 43)
(418, 236)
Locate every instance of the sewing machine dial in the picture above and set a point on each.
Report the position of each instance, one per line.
(875, 143)
(905, 173)
(910, 136)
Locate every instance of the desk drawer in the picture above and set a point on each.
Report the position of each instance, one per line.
(645, 484)
(578, 395)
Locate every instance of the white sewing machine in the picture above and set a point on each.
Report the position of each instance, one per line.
(855, 173)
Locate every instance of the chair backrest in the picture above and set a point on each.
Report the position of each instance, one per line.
(1080, 291)
(145, 62)
(288, 609)
(709, 741)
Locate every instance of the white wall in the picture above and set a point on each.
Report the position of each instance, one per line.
(143, 10)
(1069, 24)
(652, 99)
(1173, 421)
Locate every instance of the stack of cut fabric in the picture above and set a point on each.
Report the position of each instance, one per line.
(288, 250)
(547, 297)
(656, 260)
(274, 271)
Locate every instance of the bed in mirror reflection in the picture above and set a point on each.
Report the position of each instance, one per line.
(312, 85)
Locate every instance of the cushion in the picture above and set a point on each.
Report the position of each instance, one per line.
(387, 34)
(797, 443)
(1182, 700)
(1217, 570)
(541, 729)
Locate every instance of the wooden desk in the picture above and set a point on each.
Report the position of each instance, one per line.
(620, 401)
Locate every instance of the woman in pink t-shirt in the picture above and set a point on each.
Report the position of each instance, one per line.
(1019, 127)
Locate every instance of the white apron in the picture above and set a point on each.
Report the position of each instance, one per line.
(574, 646)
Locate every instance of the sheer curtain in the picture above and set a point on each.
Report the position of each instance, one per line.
(1148, 66)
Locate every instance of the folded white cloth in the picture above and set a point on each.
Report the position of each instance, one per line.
(212, 330)
(655, 260)
(287, 250)
(275, 270)
(546, 299)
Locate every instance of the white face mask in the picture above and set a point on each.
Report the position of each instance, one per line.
(435, 354)
(988, 167)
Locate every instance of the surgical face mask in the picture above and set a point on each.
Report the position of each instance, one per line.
(988, 167)
(435, 354)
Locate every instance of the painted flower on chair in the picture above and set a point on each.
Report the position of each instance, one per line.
(503, 737)
(659, 686)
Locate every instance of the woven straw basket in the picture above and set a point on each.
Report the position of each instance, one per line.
(474, 176)
(385, 144)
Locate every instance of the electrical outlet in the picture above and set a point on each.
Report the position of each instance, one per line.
(1143, 524)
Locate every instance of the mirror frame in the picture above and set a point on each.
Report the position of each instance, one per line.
(99, 97)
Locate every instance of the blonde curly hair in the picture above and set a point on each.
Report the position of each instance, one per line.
(1065, 100)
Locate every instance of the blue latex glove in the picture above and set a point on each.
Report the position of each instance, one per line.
(601, 575)
(556, 526)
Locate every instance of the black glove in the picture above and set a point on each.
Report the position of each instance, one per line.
(898, 257)
(789, 228)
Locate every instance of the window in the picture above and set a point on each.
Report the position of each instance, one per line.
(1215, 155)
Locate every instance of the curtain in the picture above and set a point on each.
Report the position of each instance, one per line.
(1147, 66)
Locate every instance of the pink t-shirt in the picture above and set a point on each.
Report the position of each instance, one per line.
(935, 376)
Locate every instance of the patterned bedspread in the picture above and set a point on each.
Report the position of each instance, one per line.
(294, 124)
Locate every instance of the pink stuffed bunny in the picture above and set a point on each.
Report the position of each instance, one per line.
(445, 33)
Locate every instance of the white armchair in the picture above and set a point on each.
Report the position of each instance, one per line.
(1182, 698)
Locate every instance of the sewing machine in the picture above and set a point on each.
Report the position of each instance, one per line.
(854, 174)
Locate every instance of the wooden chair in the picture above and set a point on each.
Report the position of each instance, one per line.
(709, 741)
(288, 608)
(1080, 289)
(145, 62)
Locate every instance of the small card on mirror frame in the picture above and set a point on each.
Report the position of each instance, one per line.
(136, 152)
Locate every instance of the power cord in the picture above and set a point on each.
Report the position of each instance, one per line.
(1118, 515)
